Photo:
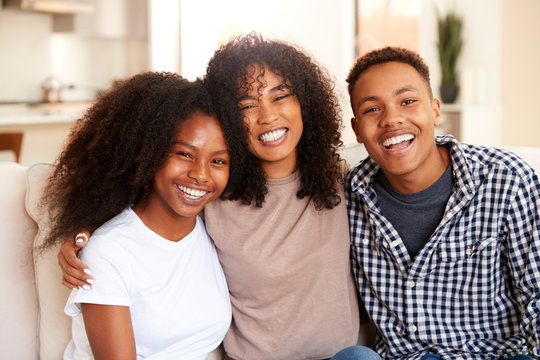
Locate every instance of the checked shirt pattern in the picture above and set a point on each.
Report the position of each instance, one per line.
(473, 291)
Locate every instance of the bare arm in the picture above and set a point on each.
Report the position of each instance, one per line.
(109, 331)
(75, 273)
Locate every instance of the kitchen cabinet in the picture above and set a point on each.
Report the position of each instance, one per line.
(113, 19)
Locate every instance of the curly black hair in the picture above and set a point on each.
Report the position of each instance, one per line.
(384, 55)
(319, 163)
(116, 148)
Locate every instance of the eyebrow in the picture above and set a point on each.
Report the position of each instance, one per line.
(188, 145)
(273, 90)
(396, 92)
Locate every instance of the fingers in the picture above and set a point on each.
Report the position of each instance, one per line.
(74, 284)
(75, 274)
(81, 239)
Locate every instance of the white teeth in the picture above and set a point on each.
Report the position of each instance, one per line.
(272, 135)
(397, 139)
(191, 193)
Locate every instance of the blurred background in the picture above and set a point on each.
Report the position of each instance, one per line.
(56, 56)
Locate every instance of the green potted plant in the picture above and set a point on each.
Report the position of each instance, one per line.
(449, 46)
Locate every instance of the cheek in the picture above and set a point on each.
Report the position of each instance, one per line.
(220, 178)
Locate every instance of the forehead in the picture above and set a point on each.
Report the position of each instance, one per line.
(257, 77)
(198, 123)
(388, 77)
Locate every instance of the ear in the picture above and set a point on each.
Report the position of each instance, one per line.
(354, 125)
(436, 106)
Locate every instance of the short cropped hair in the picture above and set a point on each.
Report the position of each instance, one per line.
(384, 55)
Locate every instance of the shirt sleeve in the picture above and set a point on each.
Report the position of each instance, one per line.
(524, 258)
(111, 272)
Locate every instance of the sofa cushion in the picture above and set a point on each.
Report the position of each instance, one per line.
(54, 325)
(18, 319)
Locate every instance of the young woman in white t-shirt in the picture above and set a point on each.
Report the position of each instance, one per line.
(138, 169)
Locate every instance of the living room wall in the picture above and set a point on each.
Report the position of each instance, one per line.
(521, 73)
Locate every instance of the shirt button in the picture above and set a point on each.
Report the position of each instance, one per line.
(412, 328)
(469, 251)
(410, 283)
(365, 241)
(395, 243)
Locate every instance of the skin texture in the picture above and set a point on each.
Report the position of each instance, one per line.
(229, 77)
(198, 160)
(392, 100)
(272, 112)
(265, 108)
(229, 74)
(109, 331)
(122, 139)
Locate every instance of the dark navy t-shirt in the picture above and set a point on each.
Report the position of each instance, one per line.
(414, 216)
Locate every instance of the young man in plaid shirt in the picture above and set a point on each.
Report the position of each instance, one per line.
(445, 236)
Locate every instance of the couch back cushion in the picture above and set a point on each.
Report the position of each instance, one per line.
(54, 325)
(18, 312)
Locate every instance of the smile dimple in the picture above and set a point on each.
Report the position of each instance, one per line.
(395, 141)
(272, 135)
(191, 193)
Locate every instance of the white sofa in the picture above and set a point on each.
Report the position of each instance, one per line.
(32, 322)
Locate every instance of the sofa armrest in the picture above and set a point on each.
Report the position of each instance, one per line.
(19, 309)
(54, 325)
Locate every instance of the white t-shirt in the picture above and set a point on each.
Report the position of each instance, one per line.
(176, 291)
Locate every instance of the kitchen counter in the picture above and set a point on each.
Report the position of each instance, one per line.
(41, 113)
(45, 128)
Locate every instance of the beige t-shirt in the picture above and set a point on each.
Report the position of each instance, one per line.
(289, 276)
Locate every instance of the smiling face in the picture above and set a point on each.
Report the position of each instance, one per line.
(273, 119)
(395, 118)
(195, 173)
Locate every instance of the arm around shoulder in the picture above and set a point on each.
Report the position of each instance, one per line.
(75, 273)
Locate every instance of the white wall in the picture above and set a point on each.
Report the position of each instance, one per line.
(30, 51)
(482, 49)
(24, 54)
(92, 64)
(521, 72)
(478, 108)
(325, 29)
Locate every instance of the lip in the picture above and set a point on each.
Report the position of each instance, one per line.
(398, 149)
(189, 198)
(275, 136)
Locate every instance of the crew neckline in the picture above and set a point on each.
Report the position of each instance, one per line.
(160, 240)
(286, 180)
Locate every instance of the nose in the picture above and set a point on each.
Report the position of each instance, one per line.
(391, 117)
(199, 171)
(267, 113)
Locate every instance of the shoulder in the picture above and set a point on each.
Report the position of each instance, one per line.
(481, 161)
(361, 175)
(112, 235)
(492, 159)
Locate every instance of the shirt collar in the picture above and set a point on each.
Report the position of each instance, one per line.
(363, 175)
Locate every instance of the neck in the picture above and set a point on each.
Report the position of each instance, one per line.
(164, 224)
(279, 169)
(417, 181)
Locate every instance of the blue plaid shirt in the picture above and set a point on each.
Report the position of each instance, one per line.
(473, 291)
